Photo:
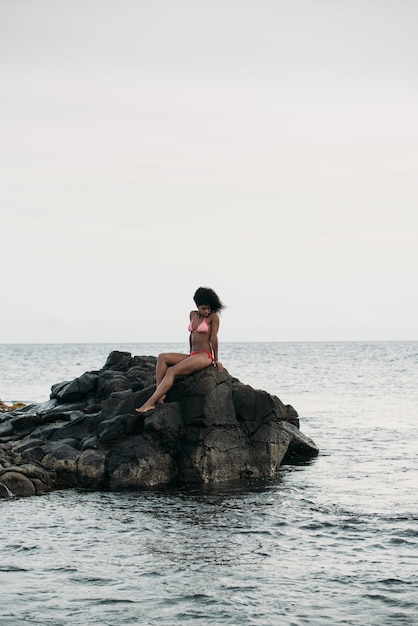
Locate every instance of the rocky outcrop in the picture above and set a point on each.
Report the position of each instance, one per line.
(211, 428)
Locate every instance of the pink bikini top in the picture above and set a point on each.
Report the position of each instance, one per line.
(202, 328)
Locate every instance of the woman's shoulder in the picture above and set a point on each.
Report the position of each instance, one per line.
(192, 313)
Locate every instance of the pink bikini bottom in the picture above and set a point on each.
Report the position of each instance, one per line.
(210, 355)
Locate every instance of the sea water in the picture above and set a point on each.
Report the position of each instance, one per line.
(328, 542)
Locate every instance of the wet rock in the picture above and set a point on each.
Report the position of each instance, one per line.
(91, 469)
(17, 484)
(24, 480)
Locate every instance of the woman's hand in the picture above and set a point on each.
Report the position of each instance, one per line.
(218, 366)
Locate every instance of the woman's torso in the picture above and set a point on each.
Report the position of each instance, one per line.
(200, 329)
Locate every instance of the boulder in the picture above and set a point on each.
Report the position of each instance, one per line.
(211, 428)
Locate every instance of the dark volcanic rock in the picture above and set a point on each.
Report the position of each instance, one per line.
(211, 428)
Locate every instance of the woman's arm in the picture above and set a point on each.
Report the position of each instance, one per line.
(192, 313)
(214, 341)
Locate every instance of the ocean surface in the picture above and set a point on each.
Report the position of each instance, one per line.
(333, 541)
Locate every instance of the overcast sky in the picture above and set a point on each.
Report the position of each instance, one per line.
(264, 148)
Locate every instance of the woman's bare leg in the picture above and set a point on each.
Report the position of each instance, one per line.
(164, 361)
(187, 365)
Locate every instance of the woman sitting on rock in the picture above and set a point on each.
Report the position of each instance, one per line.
(203, 341)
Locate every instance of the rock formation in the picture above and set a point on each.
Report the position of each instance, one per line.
(211, 428)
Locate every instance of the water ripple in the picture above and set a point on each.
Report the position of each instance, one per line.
(327, 543)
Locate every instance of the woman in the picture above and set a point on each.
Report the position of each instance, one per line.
(203, 341)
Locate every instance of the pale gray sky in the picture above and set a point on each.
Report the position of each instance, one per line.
(265, 148)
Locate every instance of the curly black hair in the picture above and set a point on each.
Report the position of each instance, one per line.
(204, 295)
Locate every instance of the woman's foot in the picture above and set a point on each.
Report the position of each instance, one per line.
(145, 408)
